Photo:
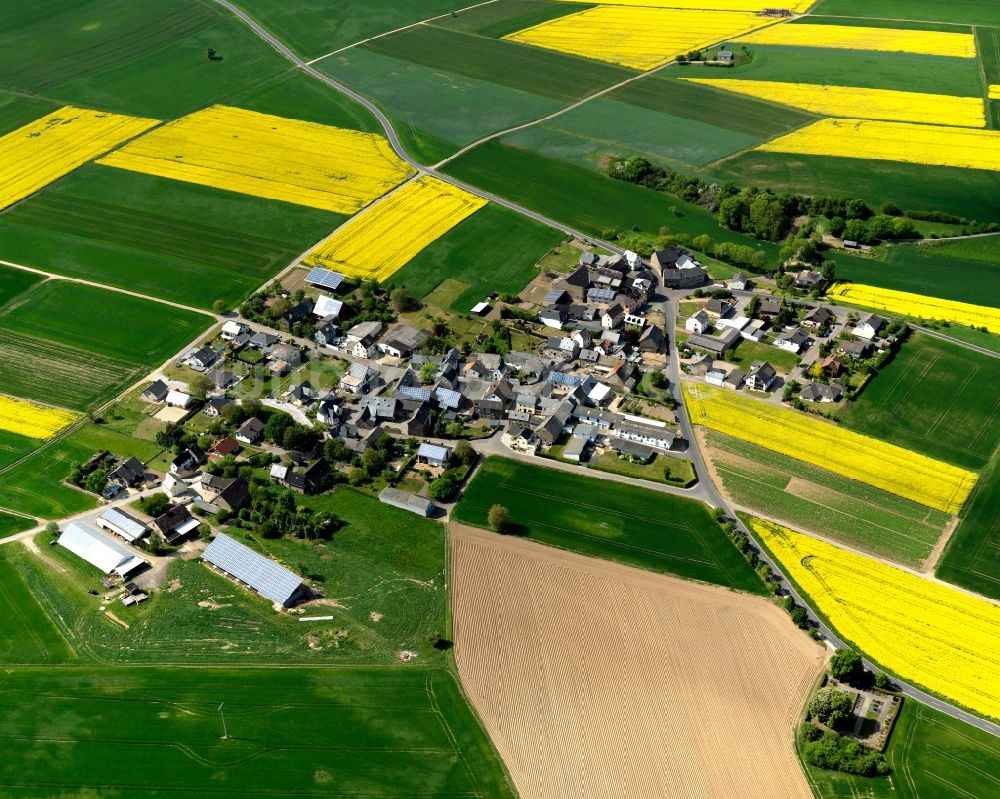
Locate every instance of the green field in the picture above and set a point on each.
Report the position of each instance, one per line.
(966, 271)
(931, 754)
(609, 520)
(16, 111)
(316, 27)
(166, 238)
(11, 524)
(13, 446)
(936, 398)
(16, 281)
(26, 633)
(504, 17)
(577, 196)
(971, 193)
(495, 249)
(971, 12)
(988, 47)
(835, 507)
(867, 69)
(157, 733)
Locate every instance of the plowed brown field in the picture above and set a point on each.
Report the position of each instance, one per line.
(598, 680)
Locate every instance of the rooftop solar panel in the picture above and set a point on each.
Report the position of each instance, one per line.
(415, 393)
(324, 278)
(266, 577)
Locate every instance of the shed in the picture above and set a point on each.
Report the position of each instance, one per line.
(120, 523)
(404, 501)
(269, 579)
(97, 549)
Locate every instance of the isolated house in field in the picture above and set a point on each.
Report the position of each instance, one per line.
(761, 376)
(269, 579)
(104, 553)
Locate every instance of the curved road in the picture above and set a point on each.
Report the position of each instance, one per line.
(712, 494)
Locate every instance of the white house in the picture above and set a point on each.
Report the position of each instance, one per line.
(233, 330)
(552, 317)
(327, 307)
(612, 317)
(716, 377)
(793, 342)
(761, 376)
(868, 326)
(178, 399)
(698, 324)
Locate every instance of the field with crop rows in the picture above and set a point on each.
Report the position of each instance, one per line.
(972, 558)
(702, 705)
(377, 243)
(33, 156)
(856, 37)
(604, 519)
(273, 157)
(885, 466)
(825, 503)
(936, 398)
(925, 632)
(969, 12)
(851, 101)
(917, 305)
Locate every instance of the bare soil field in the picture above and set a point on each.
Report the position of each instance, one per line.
(599, 680)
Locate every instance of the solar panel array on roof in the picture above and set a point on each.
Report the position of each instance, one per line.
(120, 522)
(434, 452)
(564, 379)
(324, 278)
(448, 398)
(414, 393)
(266, 577)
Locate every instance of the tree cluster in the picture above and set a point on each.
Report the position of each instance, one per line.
(273, 513)
(831, 751)
(831, 707)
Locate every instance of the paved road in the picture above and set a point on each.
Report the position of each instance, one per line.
(705, 483)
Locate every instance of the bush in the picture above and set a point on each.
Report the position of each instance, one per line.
(837, 753)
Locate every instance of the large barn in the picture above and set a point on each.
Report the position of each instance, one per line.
(269, 579)
(99, 550)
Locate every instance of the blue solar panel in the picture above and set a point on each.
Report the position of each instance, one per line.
(448, 398)
(415, 393)
(325, 278)
(563, 379)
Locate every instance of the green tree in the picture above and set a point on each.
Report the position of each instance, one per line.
(199, 386)
(96, 481)
(846, 666)
(832, 707)
(401, 300)
(220, 306)
(441, 489)
(464, 453)
(498, 518)
(427, 372)
(837, 225)
(702, 243)
(154, 505)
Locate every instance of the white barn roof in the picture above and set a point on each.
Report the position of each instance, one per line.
(98, 550)
(266, 577)
(327, 306)
(120, 522)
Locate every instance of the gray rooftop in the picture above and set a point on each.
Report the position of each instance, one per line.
(266, 577)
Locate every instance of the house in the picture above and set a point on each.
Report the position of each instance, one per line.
(717, 345)
(868, 326)
(575, 284)
(575, 449)
(357, 379)
(831, 366)
(715, 376)
(699, 323)
(637, 452)
(612, 317)
(434, 455)
(278, 368)
(298, 313)
(128, 473)
(526, 403)
(761, 376)
(422, 506)
(107, 555)
(288, 353)
(449, 399)
(309, 481)
(793, 342)
(520, 439)
(735, 322)
(740, 282)
(500, 391)
(263, 341)
(229, 493)
(551, 430)
(250, 431)
(278, 472)
(818, 318)
(652, 340)
(420, 422)
(480, 308)
(234, 331)
(646, 432)
(327, 308)
(179, 399)
(175, 524)
(223, 447)
(173, 486)
(734, 379)
(754, 330)
(301, 393)
(329, 410)
(326, 333)
(718, 307)
(202, 359)
(600, 295)
(248, 567)
(382, 408)
(155, 392)
(555, 296)
(768, 309)
(724, 57)
(215, 405)
(678, 270)
(855, 349)
(188, 462)
(221, 378)
(807, 279)
(121, 524)
(361, 338)
(821, 392)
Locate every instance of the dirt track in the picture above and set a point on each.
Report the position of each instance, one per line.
(597, 680)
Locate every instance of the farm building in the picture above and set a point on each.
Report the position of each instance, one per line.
(404, 501)
(434, 455)
(98, 550)
(269, 579)
(120, 523)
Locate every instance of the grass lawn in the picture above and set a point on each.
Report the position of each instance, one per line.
(814, 499)
(183, 242)
(936, 398)
(588, 201)
(497, 20)
(971, 12)
(294, 733)
(867, 69)
(495, 249)
(680, 470)
(602, 519)
(746, 352)
(971, 193)
(966, 271)
(931, 754)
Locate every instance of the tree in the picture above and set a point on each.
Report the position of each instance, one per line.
(846, 666)
(96, 481)
(401, 300)
(220, 306)
(464, 453)
(832, 707)
(154, 505)
(702, 243)
(441, 489)
(427, 372)
(837, 225)
(882, 681)
(199, 386)
(498, 518)
(52, 529)
(373, 461)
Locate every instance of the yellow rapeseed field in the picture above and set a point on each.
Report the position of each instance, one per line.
(42, 151)
(849, 37)
(894, 141)
(379, 242)
(637, 37)
(907, 304)
(995, 91)
(849, 101)
(30, 420)
(808, 438)
(925, 632)
(267, 156)
(708, 5)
